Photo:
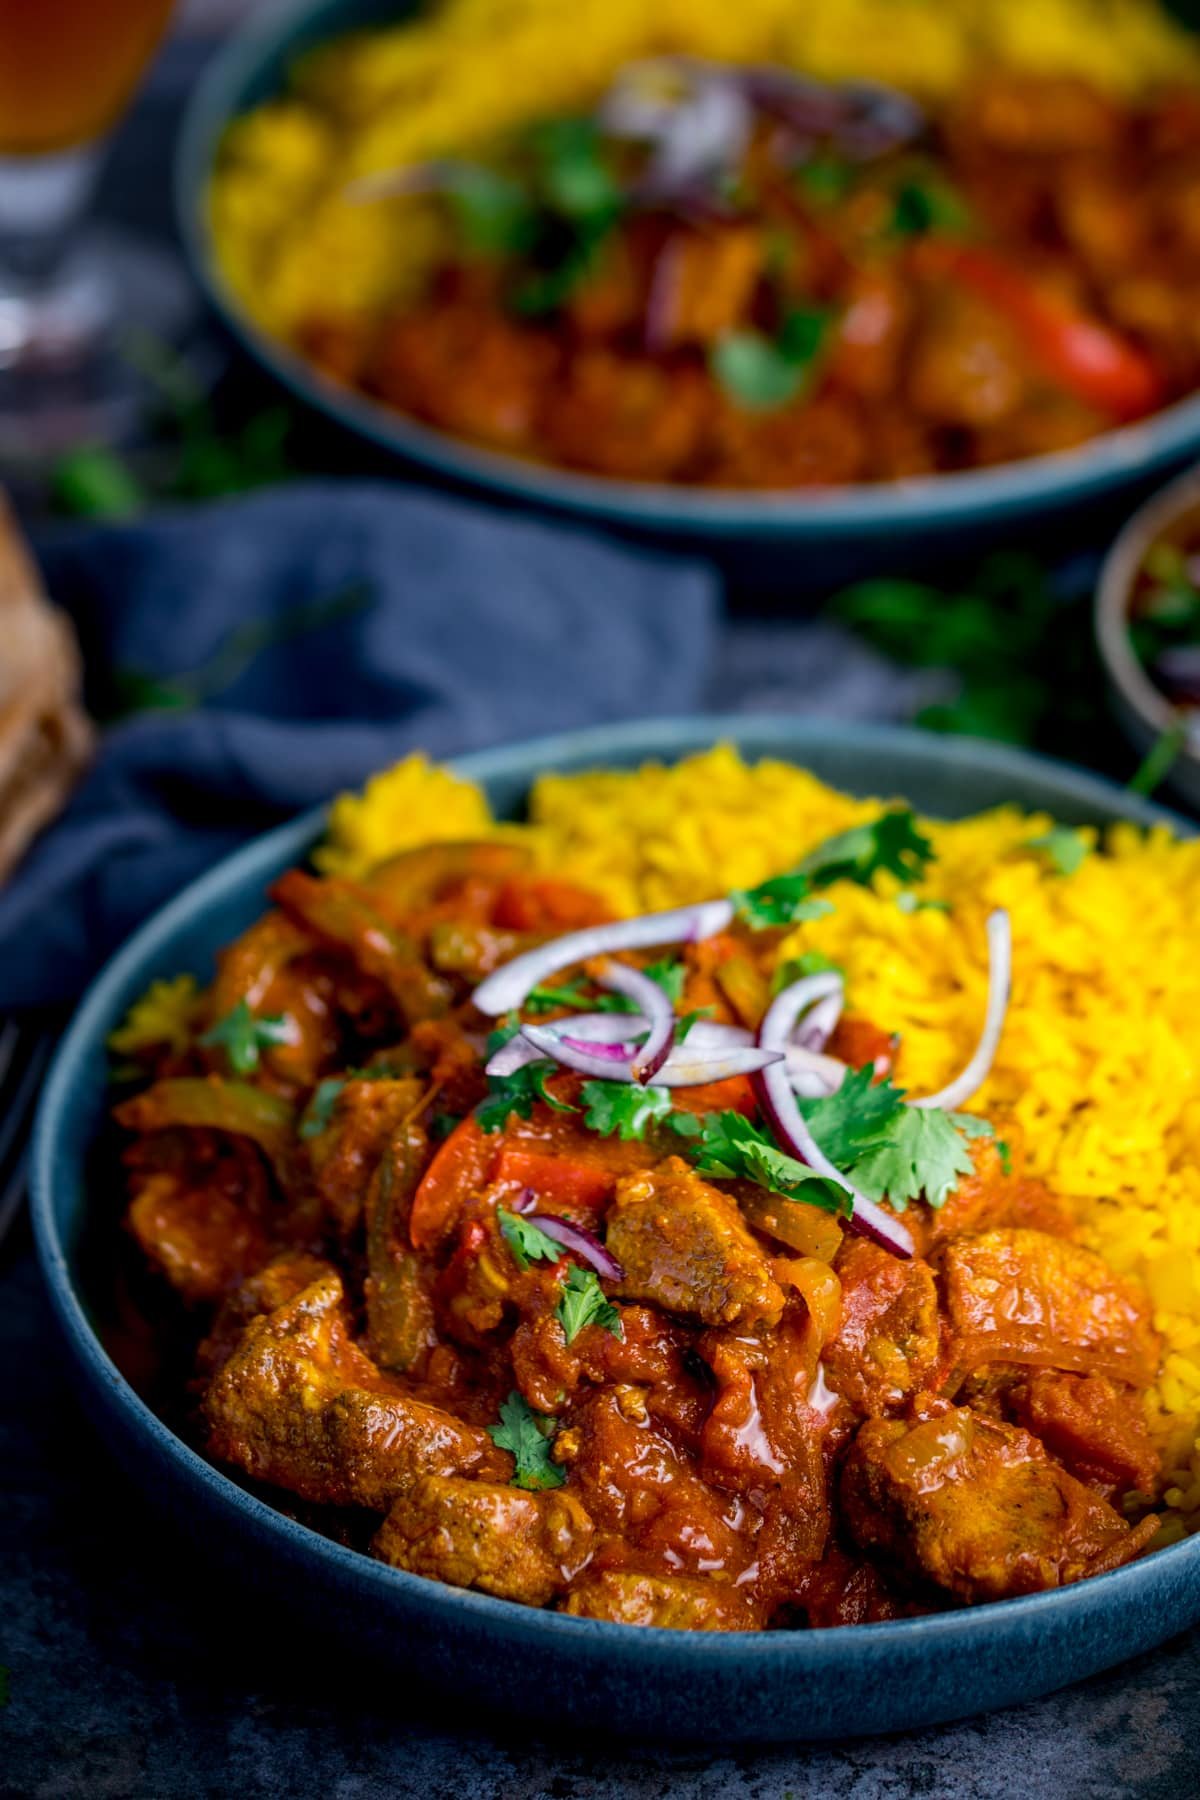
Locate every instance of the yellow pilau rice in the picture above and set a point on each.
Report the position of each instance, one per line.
(1100, 1058)
(289, 242)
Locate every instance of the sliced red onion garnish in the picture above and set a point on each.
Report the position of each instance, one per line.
(778, 1102)
(688, 1067)
(812, 1074)
(596, 1060)
(583, 1243)
(692, 115)
(820, 1021)
(507, 988)
(588, 1028)
(972, 1078)
(654, 1003)
(786, 1016)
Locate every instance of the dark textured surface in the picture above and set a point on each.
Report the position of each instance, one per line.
(128, 1679)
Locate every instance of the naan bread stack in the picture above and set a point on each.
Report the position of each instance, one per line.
(45, 736)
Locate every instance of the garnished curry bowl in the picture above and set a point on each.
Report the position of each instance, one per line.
(740, 1686)
(908, 513)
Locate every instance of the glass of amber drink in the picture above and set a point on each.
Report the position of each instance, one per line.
(67, 71)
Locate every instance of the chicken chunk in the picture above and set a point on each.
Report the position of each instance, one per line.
(684, 1246)
(271, 1287)
(671, 1603)
(1093, 1426)
(299, 1405)
(977, 1507)
(502, 1540)
(1021, 1296)
(887, 1345)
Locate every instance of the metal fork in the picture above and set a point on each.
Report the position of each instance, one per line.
(24, 1053)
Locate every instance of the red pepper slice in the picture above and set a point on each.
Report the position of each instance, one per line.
(1077, 351)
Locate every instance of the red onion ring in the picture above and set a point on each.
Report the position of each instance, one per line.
(787, 1122)
(508, 987)
(595, 1060)
(655, 1006)
(957, 1092)
(583, 1243)
(686, 1067)
(589, 1028)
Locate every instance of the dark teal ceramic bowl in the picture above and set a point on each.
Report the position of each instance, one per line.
(834, 534)
(731, 1689)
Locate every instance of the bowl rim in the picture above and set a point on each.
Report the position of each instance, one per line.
(814, 1650)
(1061, 477)
(1111, 606)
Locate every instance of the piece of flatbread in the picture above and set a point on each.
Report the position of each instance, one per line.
(45, 736)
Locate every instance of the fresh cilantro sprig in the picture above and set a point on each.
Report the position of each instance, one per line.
(761, 373)
(892, 843)
(519, 1093)
(527, 1436)
(318, 1114)
(888, 1149)
(728, 1147)
(623, 1109)
(527, 1241)
(582, 1302)
(1065, 849)
(783, 900)
(243, 1037)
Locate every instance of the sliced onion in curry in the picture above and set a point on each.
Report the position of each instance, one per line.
(508, 987)
(778, 1102)
(654, 1003)
(583, 1243)
(957, 1092)
(685, 1066)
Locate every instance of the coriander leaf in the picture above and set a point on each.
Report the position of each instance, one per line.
(730, 1148)
(519, 1093)
(670, 974)
(928, 203)
(318, 1113)
(583, 1303)
(784, 900)
(754, 372)
(622, 1108)
(857, 1118)
(526, 1240)
(687, 1020)
(892, 842)
(243, 1037)
(797, 968)
(495, 214)
(925, 1153)
(1065, 850)
(526, 1434)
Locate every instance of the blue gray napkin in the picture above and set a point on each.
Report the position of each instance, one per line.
(289, 644)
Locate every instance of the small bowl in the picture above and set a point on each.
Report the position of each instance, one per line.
(1143, 710)
(733, 1688)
